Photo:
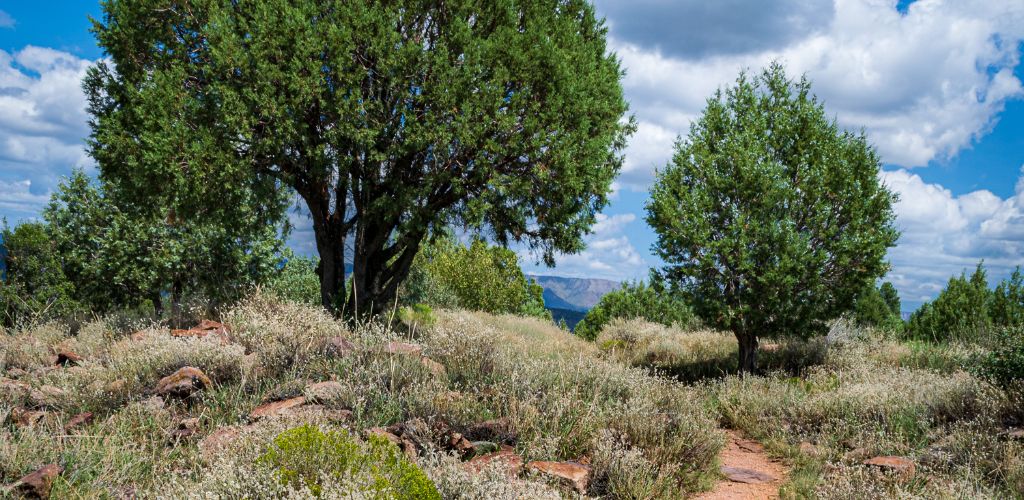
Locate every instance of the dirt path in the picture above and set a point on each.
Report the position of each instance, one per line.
(750, 474)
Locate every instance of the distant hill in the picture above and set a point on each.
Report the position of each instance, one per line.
(576, 294)
(570, 316)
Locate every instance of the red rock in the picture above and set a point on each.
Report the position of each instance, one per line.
(750, 446)
(47, 395)
(67, 357)
(26, 418)
(277, 408)
(382, 432)
(434, 367)
(403, 348)
(460, 444)
(809, 449)
(510, 462)
(204, 328)
(183, 383)
(898, 464)
(575, 474)
(340, 347)
(78, 421)
(748, 476)
(38, 483)
(186, 429)
(138, 336)
(117, 385)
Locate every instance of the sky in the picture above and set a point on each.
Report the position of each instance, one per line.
(935, 84)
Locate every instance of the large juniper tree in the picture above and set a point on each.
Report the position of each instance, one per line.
(389, 119)
(770, 217)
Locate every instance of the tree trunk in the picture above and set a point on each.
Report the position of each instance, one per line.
(332, 274)
(747, 353)
(158, 303)
(379, 265)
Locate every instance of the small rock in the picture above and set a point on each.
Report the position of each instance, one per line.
(437, 369)
(324, 391)
(204, 328)
(78, 421)
(183, 383)
(575, 474)
(382, 432)
(67, 357)
(1016, 435)
(138, 336)
(809, 449)
(403, 348)
(26, 418)
(153, 404)
(117, 386)
(748, 476)
(460, 444)
(510, 462)
(340, 347)
(186, 428)
(901, 465)
(217, 441)
(11, 389)
(277, 408)
(38, 483)
(17, 373)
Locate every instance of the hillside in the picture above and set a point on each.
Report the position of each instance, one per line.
(283, 401)
(574, 293)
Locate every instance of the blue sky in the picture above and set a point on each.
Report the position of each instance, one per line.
(936, 85)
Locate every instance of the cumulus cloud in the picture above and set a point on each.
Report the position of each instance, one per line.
(923, 84)
(609, 253)
(943, 234)
(43, 125)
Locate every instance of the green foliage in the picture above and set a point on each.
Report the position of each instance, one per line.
(874, 308)
(303, 455)
(961, 311)
(34, 286)
(479, 277)
(770, 217)
(1008, 301)
(652, 302)
(388, 119)
(1004, 364)
(296, 280)
(417, 316)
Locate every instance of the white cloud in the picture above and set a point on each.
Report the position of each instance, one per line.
(6, 21)
(944, 234)
(609, 253)
(924, 85)
(43, 124)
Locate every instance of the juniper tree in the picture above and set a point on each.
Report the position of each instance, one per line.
(388, 119)
(770, 217)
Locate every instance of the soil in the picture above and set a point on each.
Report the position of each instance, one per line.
(755, 476)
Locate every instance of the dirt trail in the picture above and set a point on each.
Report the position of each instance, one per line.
(750, 474)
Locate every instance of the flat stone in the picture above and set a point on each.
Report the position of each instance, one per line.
(575, 474)
(277, 408)
(47, 395)
(898, 464)
(747, 476)
(38, 483)
(183, 383)
(77, 421)
(506, 459)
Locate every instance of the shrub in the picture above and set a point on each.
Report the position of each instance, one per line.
(304, 455)
(417, 316)
(878, 308)
(1004, 364)
(636, 300)
(961, 311)
(296, 280)
(33, 286)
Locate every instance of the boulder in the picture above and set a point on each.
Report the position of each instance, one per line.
(747, 476)
(324, 391)
(277, 408)
(403, 348)
(505, 459)
(437, 369)
(900, 465)
(67, 357)
(460, 444)
(183, 383)
(77, 421)
(340, 347)
(572, 473)
(37, 484)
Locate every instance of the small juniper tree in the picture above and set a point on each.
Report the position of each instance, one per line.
(770, 217)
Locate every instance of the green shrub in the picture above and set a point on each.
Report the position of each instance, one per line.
(879, 308)
(1008, 301)
(297, 280)
(33, 286)
(636, 300)
(961, 311)
(303, 455)
(1004, 364)
(417, 316)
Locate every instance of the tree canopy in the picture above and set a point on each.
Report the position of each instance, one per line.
(652, 302)
(770, 217)
(389, 120)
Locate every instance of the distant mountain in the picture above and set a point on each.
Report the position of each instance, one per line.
(570, 316)
(577, 294)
